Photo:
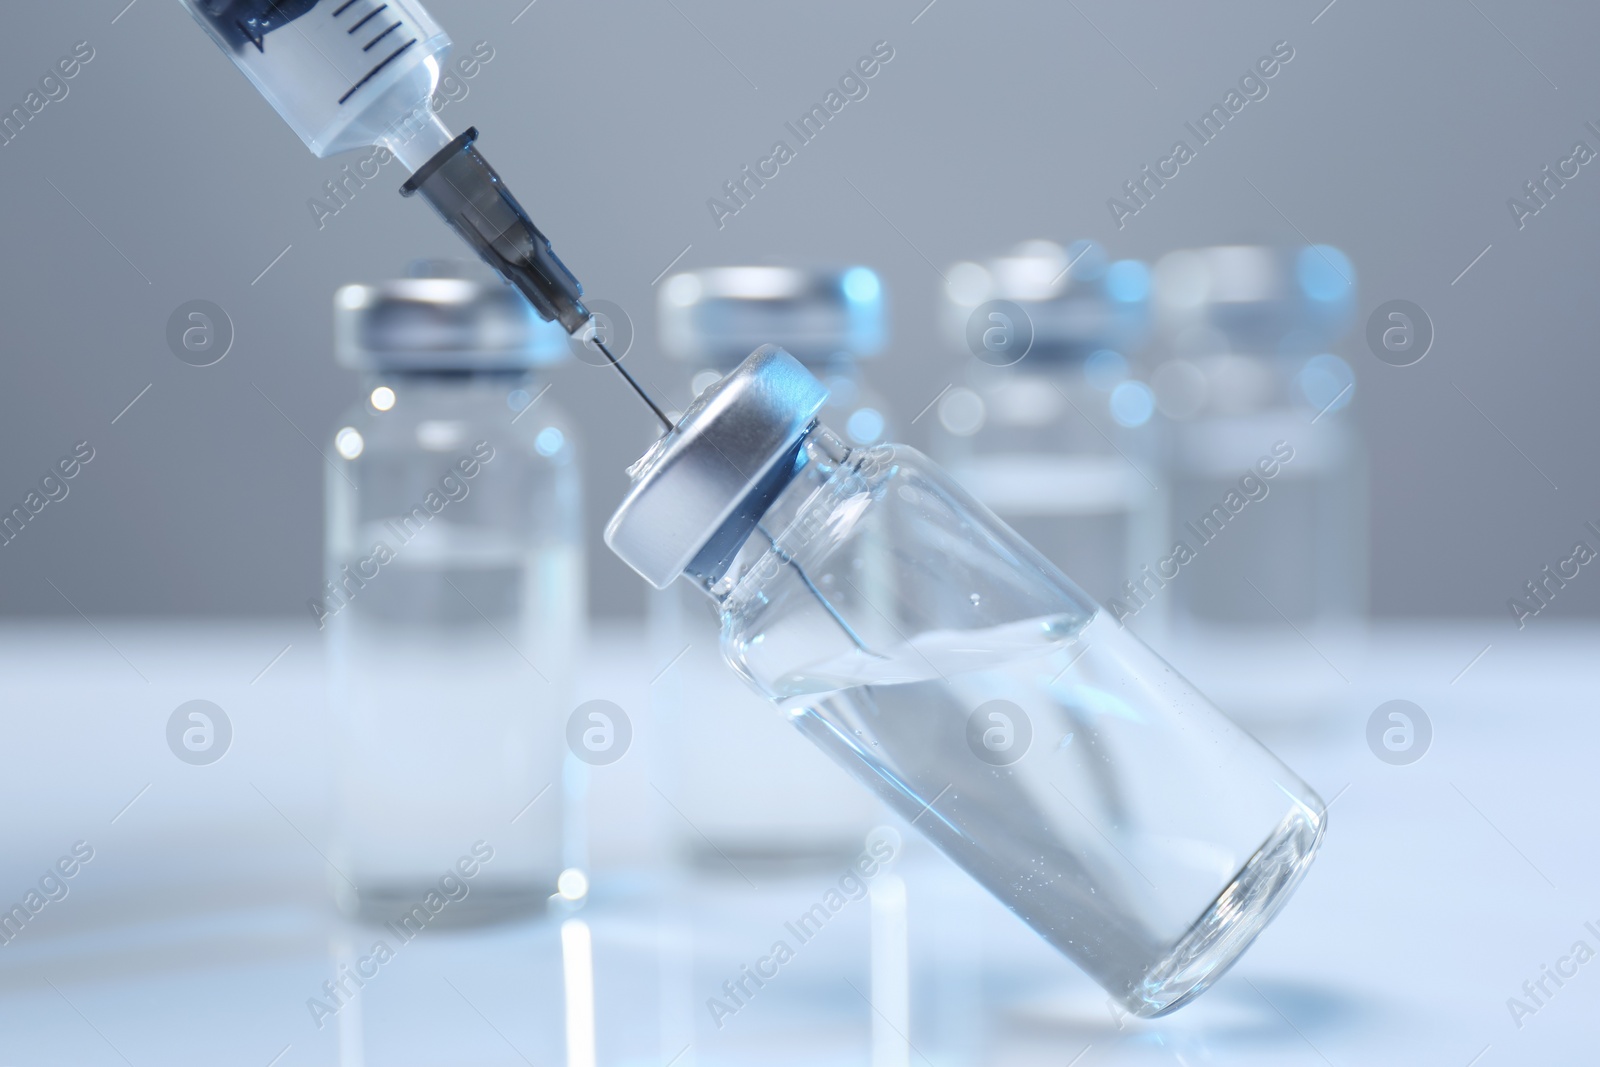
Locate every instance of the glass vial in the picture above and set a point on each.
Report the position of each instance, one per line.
(454, 598)
(744, 790)
(1267, 474)
(972, 687)
(1051, 426)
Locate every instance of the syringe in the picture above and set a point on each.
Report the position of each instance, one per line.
(349, 73)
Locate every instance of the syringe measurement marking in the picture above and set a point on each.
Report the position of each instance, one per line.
(382, 35)
(370, 16)
(342, 8)
(374, 71)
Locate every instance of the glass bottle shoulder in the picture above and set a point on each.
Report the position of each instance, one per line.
(872, 554)
(413, 417)
(1046, 423)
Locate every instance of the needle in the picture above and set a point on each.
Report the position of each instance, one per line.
(617, 363)
(811, 587)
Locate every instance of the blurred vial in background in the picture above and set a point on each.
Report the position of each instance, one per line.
(746, 791)
(1267, 476)
(455, 595)
(1052, 427)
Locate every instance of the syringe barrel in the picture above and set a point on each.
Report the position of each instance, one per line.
(342, 73)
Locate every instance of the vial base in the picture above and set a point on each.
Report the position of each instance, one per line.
(1234, 919)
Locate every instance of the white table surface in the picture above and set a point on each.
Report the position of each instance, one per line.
(202, 926)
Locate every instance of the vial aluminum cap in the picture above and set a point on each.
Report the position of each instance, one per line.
(710, 478)
(437, 323)
(1076, 300)
(1259, 298)
(715, 317)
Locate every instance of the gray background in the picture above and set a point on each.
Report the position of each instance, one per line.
(1397, 133)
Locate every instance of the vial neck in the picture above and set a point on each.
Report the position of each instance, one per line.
(455, 378)
(1042, 372)
(772, 517)
(839, 365)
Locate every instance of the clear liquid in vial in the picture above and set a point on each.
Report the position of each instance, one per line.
(1138, 830)
(450, 732)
